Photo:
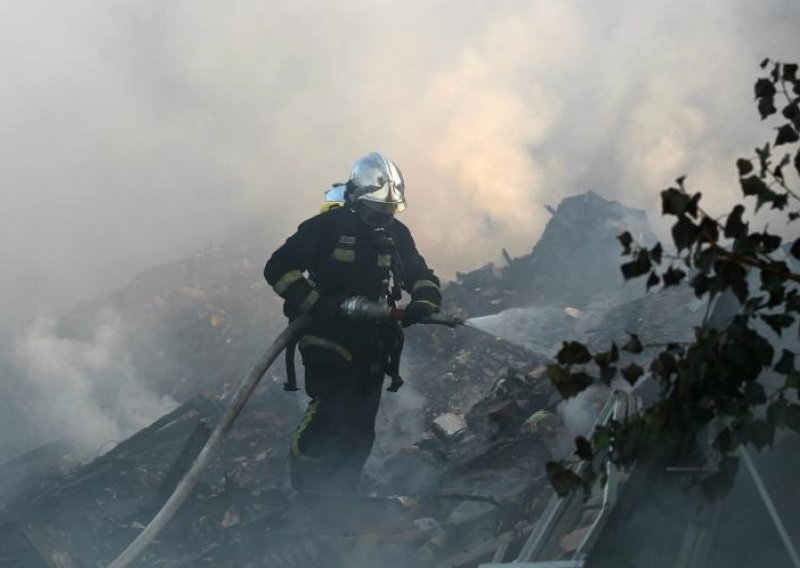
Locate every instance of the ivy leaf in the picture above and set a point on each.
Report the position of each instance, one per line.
(632, 372)
(786, 135)
(684, 233)
(776, 413)
(675, 202)
(761, 349)
(604, 360)
(656, 252)
(607, 374)
(705, 260)
(778, 171)
(709, 231)
(775, 74)
(735, 228)
(778, 322)
(753, 185)
(780, 201)
(562, 480)
(768, 196)
(792, 112)
(673, 277)
(760, 433)
(639, 266)
(786, 363)
(790, 72)
(573, 352)
(664, 365)
(795, 249)
(744, 166)
(652, 280)
(568, 384)
(773, 283)
(766, 107)
(769, 243)
(764, 88)
(763, 158)
(793, 301)
(626, 240)
(797, 161)
(754, 393)
(764, 63)
(792, 417)
(583, 449)
(701, 284)
(734, 276)
(634, 345)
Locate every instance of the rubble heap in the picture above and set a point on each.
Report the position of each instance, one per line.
(473, 479)
(580, 239)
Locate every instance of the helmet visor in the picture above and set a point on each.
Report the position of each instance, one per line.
(377, 214)
(382, 207)
(388, 195)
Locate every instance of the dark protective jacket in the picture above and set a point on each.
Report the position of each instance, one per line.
(336, 255)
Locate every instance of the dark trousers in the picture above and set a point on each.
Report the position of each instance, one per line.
(334, 438)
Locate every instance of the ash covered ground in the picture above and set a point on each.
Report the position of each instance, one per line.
(113, 400)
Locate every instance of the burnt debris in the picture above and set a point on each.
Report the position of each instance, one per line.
(466, 482)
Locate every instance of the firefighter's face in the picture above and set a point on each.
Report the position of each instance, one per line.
(376, 214)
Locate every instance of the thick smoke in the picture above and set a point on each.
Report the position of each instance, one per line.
(401, 420)
(85, 392)
(134, 132)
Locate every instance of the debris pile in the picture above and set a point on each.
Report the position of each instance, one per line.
(575, 262)
(195, 324)
(472, 484)
(242, 513)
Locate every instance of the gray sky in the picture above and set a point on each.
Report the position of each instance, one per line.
(132, 132)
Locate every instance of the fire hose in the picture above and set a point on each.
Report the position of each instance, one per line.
(358, 308)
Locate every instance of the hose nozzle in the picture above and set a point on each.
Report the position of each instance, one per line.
(443, 319)
(360, 307)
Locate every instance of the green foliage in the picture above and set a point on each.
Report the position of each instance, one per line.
(712, 382)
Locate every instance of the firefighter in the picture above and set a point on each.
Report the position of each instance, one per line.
(358, 249)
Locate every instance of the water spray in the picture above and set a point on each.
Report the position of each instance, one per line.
(359, 307)
(537, 328)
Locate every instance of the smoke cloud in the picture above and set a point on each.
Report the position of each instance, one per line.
(134, 132)
(86, 392)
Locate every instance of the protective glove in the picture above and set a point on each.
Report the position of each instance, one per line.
(418, 310)
(325, 308)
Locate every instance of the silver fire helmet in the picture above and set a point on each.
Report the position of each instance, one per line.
(376, 179)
